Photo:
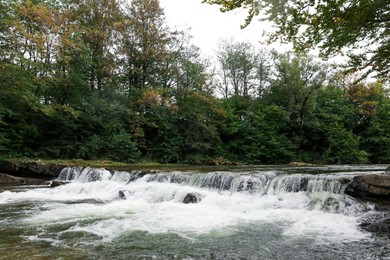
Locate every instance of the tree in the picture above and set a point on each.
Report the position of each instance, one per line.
(3, 137)
(295, 84)
(32, 31)
(98, 23)
(342, 146)
(18, 103)
(200, 120)
(28, 48)
(158, 134)
(329, 25)
(145, 45)
(376, 139)
(329, 136)
(365, 98)
(237, 68)
(191, 70)
(255, 132)
(5, 14)
(263, 73)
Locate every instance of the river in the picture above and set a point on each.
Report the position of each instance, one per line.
(248, 213)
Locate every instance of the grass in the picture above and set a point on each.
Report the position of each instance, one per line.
(152, 166)
(122, 166)
(108, 164)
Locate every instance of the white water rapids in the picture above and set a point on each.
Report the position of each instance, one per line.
(266, 206)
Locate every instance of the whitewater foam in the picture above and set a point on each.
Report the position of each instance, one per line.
(301, 205)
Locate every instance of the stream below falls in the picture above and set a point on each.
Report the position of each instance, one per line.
(262, 213)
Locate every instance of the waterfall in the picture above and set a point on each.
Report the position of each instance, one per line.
(323, 191)
(264, 183)
(86, 174)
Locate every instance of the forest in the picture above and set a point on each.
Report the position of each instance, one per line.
(103, 79)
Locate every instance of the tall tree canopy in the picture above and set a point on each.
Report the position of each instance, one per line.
(103, 80)
(146, 44)
(362, 27)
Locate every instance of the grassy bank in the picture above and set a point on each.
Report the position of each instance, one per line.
(107, 164)
(140, 166)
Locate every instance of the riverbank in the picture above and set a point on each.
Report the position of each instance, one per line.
(8, 180)
(49, 169)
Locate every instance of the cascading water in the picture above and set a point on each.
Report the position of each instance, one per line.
(318, 187)
(183, 215)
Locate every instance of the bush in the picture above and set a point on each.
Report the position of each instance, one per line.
(121, 147)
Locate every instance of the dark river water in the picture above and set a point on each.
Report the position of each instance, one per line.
(250, 213)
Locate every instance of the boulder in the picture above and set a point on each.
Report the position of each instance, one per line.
(381, 227)
(31, 169)
(330, 204)
(12, 180)
(369, 186)
(53, 184)
(121, 195)
(387, 171)
(192, 197)
(135, 175)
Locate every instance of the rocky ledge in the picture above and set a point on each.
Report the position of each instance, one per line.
(380, 227)
(6, 179)
(371, 186)
(374, 188)
(31, 169)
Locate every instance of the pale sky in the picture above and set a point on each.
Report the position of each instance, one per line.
(208, 25)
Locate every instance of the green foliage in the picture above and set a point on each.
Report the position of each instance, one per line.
(4, 141)
(298, 79)
(99, 24)
(121, 147)
(90, 147)
(199, 118)
(146, 46)
(342, 146)
(191, 70)
(238, 68)
(160, 131)
(329, 25)
(376, 139)
(91, 80)
(256, 136)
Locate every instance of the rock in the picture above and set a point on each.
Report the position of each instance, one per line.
(53, 184)
(135, 175)
(387, 171)
(31, 169)
(372, 185)
(12, 180)
(344, 181)
(121, 195)
(381, 227)
(330, 204)
(192, 197)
